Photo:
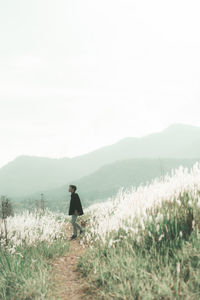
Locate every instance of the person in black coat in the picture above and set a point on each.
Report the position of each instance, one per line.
(75, 209)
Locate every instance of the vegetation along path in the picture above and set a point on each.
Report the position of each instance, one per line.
(69, 283)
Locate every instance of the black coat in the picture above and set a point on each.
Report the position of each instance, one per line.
(75, 204)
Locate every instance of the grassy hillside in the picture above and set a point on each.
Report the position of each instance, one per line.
(145, 244)
(28, 242)
(27, 175)
(108, 180)
(142, 244)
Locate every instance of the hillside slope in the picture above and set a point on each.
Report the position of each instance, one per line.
(109, 179)
(27, 175)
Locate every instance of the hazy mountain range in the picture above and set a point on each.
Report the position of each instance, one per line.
(106, 182)
(100, 173)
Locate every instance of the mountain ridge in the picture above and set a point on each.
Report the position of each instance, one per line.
(28, 174)
(107, 180)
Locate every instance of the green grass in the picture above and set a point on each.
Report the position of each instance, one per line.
(163, 264)
(27, 273)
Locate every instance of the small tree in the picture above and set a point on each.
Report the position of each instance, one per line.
(6, 210)
(40, 204)
(6, 207)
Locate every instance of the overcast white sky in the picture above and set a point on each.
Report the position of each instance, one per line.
(76, 75)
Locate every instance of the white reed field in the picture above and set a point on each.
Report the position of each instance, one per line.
(144, 243)
(128, 210)
(32, 228)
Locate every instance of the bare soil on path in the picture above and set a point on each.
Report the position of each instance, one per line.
(69, 283)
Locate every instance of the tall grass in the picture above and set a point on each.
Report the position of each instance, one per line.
(27, 273)
(31, 227)
(149, 249)
(33, 240)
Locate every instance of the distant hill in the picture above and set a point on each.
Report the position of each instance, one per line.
(29, 174)
(26, 174)
(107, 180)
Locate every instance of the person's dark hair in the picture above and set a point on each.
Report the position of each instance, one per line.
(74, 187)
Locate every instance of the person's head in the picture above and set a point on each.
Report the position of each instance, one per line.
(72, 188)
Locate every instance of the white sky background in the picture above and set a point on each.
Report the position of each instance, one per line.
(76, 75)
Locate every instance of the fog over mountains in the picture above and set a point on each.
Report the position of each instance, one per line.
(127, 162)
(106, 182)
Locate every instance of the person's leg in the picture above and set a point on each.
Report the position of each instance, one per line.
(79, 227)
(74, 224)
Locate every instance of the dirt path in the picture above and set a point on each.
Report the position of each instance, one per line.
(69, 284)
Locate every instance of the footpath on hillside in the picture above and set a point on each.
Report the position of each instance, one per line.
(69, 283)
